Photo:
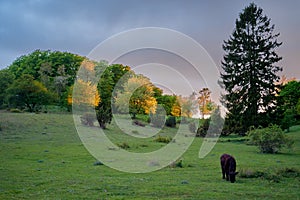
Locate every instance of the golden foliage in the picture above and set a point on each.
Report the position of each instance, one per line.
(176, 110)
(184, 106)
(88, 65)
(86, 94)
(138, 95)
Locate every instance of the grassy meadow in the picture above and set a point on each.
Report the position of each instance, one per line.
(42, 157)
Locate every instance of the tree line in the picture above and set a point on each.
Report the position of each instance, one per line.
(253, 94)
(42, 78)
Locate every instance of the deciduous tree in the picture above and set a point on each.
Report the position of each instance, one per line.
(111, 79)
(6, 79)
(29, 93)
(204, 101)
(137, 96)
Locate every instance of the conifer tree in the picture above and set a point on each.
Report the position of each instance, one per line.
(250, 71)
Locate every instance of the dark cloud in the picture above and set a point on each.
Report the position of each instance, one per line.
(78, 26)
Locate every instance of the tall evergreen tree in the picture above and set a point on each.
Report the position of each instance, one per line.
(250, 70)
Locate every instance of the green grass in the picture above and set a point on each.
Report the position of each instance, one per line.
(42, 157)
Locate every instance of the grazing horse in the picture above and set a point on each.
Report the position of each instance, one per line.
(228, 166)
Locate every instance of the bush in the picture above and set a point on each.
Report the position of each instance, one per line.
(98, 163)
(177, 163)
(162, 139)
(273, 175)
(249, 173)
(171, 121)
(202, 130)
(270, 139)
(135, 132)
(288, 172)
(88, 119)
(143, 118)
(124, 145)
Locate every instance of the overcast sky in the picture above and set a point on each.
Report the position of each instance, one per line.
(78, 26)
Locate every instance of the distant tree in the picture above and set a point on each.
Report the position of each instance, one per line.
(288, 100)
(288, 119)
(249, 71)
(54, 69)
(109, 82)
(32, 63)
(86, 94)
(204, 101)
(29, 93)
(185, 106)
(192, 105)
(137, 96)
(213, 125)
(6, 79)
(45, 74)
(167, 101)
(290, 95)
(216, 122)
(284, 80)
(29, 64)
(176, 109)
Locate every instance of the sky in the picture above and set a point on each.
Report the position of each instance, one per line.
(78, 26)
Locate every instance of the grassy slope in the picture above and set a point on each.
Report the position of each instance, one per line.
(41, 157)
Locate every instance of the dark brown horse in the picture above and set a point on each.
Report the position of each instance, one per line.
(228, 166)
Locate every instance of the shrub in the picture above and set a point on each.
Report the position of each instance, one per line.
(134, 132)
(266, 175)
(88, 119)
(270, 174)
(249, 173)
(270, 139)
(144, 118)
(177, 163)
(144, 145)
(98, 163)
(171, 121)
(162, 139)
(202, 130)
(288, 172)
(124, 145)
